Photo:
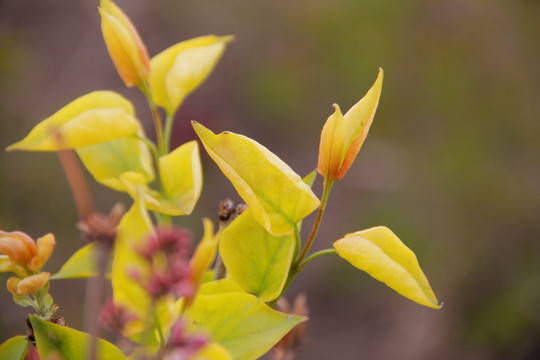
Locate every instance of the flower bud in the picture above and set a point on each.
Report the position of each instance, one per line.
(124, 44)
(45, 246)
(28, 285)
(18, 246)
(343, 135)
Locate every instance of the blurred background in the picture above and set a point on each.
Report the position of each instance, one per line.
(451, 164)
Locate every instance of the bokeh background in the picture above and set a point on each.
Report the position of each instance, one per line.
(451, 163)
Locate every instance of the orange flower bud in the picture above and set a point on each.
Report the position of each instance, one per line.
(343, 135)
(6, 265)
(45, 246)
(19, 247)
(124, 44)
(28, 285)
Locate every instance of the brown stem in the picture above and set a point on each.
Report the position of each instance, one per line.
(77, 183)
(95, 291)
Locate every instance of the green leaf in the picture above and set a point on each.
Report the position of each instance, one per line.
(82, 264)
(276, 195)
(380, 253)
(66, 343)
(309, 179)
(180, 69)
(108, 160)
(14, 348)
(258, 261)
(93, 118)
(240, 322)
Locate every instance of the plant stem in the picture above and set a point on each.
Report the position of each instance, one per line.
(327, 186)
(77, 183)
(314, 256)
(145, 88)
(169, 120)
(299, 264)
(94, 298)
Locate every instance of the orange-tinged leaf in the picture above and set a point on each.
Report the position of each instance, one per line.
(124, 44)
(180, 69)
(276, 195)
(18, 246)
(90, 119)
(380, 253)
(343, 135)
(29, 284)
(45, 247)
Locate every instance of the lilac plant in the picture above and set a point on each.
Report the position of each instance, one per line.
(224, 298)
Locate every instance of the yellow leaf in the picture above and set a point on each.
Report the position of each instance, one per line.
(180, 69)
(380, 253)
(276, 195)
(255, 259)
(204, 256)
(181, 177)
(124, 44)
(107, 161)
(343, 135)
(212, 351)
(93, 118)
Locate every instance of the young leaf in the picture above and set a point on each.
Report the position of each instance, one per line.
(276, 195)
(82, 264)
(255, 259)
(107, 161)
(180, 69)
(14, 348)
(380, 253)
(241, 323)
(343, 135)
(56, 341)
(124, 44)
(93, 118)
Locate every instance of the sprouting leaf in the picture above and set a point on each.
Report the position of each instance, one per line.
(82, 264)
(380, 253)
(180, 69)
(66, 343)
(93, 118)
(241, 323)
(343, 135)
(255, 259)
(276, 195)
(124, 44)
(212, 351)
(107, 161)
(181, 179)
(14, 348)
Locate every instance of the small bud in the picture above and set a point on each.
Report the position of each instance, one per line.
(124, 44)
(18, 246)
(28, 285)
(45, 246)
(181, 344)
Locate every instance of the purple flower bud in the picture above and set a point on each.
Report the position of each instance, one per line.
(114, 317)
